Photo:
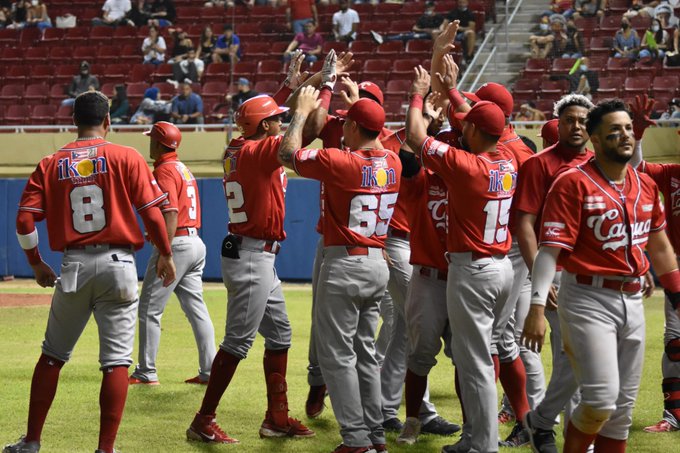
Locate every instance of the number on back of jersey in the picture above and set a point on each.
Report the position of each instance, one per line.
(370, 214)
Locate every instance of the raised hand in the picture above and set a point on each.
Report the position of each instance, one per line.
(307, 100)
(344, 63)
(421, 82)
(294, 78)
(429, 107)
(351, 93)
(444, 42)
(329, 70)
(450, 77)
(641, 110)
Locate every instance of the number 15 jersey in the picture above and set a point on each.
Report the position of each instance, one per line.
(86, 191)
(360, 192)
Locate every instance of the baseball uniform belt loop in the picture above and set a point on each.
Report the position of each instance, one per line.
(263, 245)
(624, 284)
(431, 272)
(395, 233)
(186, 231)
(99, 247)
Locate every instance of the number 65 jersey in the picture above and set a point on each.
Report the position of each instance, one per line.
(85, 190)
(480, 190)
(360, 192)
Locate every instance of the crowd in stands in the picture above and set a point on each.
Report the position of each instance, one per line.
(603, 48)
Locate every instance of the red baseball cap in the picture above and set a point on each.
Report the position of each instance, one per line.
(372, 89)
(366, 113)
(549, 132)
(165, 133)
(486, 116)
(495, 93)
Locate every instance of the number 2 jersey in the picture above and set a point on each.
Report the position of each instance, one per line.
(85, 191)
(360, 192)
(177, 181)
(480, 190)
(255, 186)
(601, 233)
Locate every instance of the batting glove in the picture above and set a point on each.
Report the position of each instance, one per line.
(328, 72)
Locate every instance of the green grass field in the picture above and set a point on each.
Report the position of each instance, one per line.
(156, 417)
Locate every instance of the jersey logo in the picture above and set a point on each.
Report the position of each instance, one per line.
(438, 148)
(378, 175)
(438, 212)
(229, 164)
(616, 235)
(184, 171)
(308, 154)
(675, 202)
(504, 179)
(81, 166)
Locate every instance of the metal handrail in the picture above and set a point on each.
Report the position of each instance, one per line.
(491, 55)
(508, 20)
(490, 35)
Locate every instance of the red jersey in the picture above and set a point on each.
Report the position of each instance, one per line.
(300, 9)
(601, 231)
(667, 178)
(480, 194)
(539, 172)
(176, 180)
(331, 134)
(399, 220)
(255, 186)
(426, 195)
(87, 190)
(515, 145)
(360, 192)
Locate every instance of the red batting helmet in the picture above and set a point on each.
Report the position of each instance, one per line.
(372, 89)
(254, 110)
(166, 134)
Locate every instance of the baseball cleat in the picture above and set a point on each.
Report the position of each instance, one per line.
(393, 424)
(664, 426)
(196, 380)
(505, 417)
(136, 381)
(541, 440)
(21, 446)
(409, 434)
(462, 446)
(342, 448)
(440, 426)
(314, 405)
(377, 37)
(518, 437)
(204, 428)
(295, 428)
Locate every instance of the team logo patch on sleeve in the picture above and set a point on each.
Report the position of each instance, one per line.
(553, 229)
(308, 154)
(438, 148)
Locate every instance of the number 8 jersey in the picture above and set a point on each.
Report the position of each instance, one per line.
(480, 189)
(85, 190)
(360, 192)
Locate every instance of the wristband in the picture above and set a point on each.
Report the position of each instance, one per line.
(28, 241)
(671, 281)
(456, 99)
(416, 102)
(325, 97)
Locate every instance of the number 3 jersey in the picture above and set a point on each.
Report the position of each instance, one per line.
(85, 190)
(255, 186)
(360, 192)
(602, 231)
(480, 190)
(176, 180)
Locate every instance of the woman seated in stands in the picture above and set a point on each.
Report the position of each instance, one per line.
(37, 15)
(206, 45)
(655, 41)
(626, 41)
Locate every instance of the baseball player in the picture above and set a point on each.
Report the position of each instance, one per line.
(182, 214)
(479, 272)
(549, 132)
(254, 185)
(360, 191)
(667, 178)
(425, 195)
(88, 192)
(535, 178)
(506, 355)
(597, 220)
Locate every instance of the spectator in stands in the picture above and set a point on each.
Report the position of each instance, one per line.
(181, 44)
(467, 33)
(563, 7)
(206, 45)
(673, 51)
(529, 112)
(664, 12)
(188, 68)
(139, 14)
(428, 26)
(187, 107)
(37, 15)
(345, 22)
(583, 80)
(672, 113)
(19, 14)
(5, 8)
(560, 40)
(588, 8)
(151, 109)
(81, 83)
(574, 43)
(154, 47)
(654, 42)
(114, 13)
(244, 93)
(119, 105)
(541, 41)
(227, 47)
(626, 41)
(310, 43)
(163, 11)
(299, 13)
(637, 7)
